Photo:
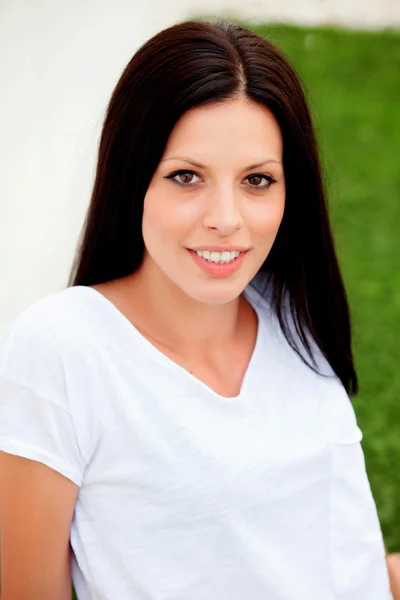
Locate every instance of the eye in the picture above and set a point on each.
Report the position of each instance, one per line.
(178, 174)
(267, 178)
(257, 176)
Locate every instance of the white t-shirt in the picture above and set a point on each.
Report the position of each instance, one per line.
(185, 494)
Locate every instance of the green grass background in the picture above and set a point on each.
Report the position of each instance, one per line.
(352, 80)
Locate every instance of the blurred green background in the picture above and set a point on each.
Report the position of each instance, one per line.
(352, 81)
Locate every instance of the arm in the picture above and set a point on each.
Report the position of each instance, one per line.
(393, 564)
(36, 511)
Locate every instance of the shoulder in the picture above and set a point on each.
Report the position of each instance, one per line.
(260, 290)
(45, 322)
(40, 338)
(320, 382)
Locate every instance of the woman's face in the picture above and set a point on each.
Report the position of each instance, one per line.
(218, 200)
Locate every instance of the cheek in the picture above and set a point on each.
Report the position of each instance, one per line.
(164, 219)
(158, 218)
(153, 224)
(269, 217)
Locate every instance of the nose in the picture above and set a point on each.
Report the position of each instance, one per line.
(223, 211)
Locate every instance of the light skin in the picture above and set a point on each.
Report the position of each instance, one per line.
(224, 203)
(393, 564)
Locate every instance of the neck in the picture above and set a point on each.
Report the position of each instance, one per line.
(179, 321)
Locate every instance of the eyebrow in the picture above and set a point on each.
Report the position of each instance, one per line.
(196, 164)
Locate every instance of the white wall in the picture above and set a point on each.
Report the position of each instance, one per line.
(59, 62)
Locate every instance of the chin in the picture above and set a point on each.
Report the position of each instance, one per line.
(218, 291)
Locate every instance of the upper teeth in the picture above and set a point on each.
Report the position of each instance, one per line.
(218, 256)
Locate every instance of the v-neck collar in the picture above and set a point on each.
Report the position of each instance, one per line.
(155, 353)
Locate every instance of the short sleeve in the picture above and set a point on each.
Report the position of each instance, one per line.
(35, 419)
(36, 428)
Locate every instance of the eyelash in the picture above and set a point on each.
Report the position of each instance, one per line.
(268, 178)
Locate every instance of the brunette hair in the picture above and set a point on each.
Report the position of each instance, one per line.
(193, 63)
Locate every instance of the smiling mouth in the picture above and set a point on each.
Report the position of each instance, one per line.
(217, 266)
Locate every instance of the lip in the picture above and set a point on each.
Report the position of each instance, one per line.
(219, 248)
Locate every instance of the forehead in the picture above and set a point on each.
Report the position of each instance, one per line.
(236, 130)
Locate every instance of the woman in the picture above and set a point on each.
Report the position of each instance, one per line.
(180, 413)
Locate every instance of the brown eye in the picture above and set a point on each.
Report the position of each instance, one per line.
(187, 177)
(259, 178)
(256, 179)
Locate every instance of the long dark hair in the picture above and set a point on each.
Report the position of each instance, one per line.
(187, 65)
